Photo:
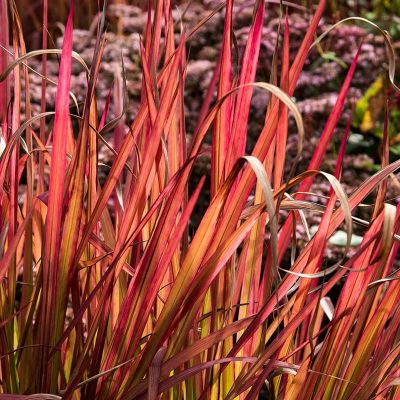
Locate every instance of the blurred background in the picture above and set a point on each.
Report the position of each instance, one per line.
(387, 12)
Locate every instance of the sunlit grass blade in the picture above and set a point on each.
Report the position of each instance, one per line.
(62, 129)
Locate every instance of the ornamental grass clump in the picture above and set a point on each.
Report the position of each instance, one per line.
(107, 291)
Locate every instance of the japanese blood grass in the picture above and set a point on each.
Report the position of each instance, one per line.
(121, 300)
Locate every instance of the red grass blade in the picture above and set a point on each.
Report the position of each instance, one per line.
(62, 128)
